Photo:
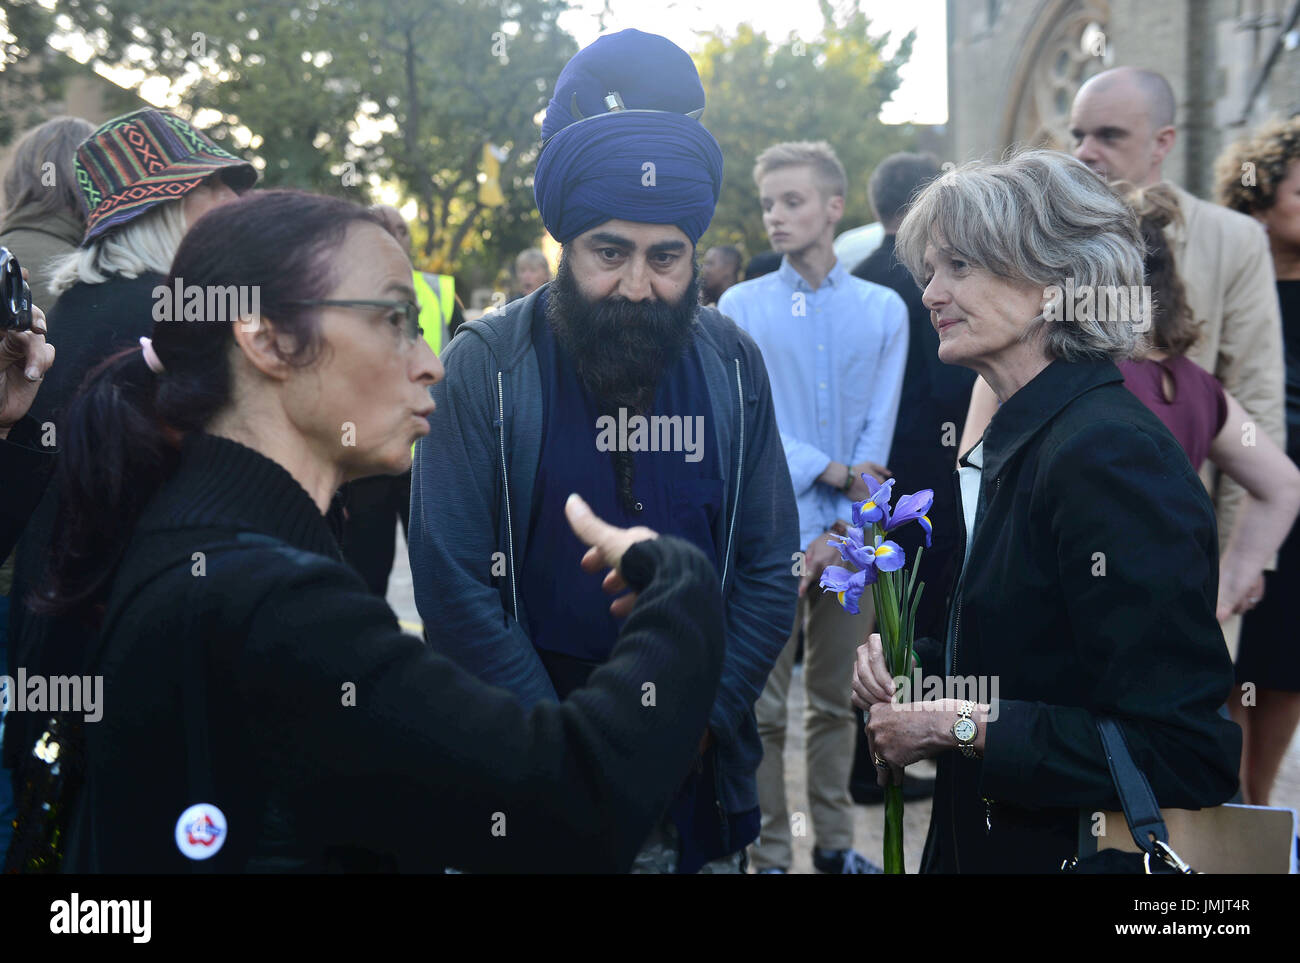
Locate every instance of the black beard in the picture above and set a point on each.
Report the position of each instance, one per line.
(620, 349)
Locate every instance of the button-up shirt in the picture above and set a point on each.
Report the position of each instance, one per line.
(835, 358)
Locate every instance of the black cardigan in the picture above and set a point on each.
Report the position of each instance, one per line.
(25, 467)
(429, 768)
(1090, 589)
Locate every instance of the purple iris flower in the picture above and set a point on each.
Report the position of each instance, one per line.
(887, 556)
(882, 555)
(913, 508)
(852, 548)
(847, 585)
(876, 507)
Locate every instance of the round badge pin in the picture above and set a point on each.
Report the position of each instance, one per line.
(201, 831)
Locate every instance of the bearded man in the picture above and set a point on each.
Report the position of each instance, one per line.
(610, 381)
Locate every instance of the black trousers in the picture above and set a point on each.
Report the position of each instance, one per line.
(373, 507)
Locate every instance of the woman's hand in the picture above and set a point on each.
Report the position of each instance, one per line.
(1241, 588)
(608, 544)
(871, 680)
(901, 733)
(24, 358)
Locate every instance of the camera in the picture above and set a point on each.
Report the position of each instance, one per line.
(15, 295)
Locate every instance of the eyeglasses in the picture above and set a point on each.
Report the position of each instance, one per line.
(408, 310)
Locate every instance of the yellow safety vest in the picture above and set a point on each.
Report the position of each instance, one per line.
(435, 309)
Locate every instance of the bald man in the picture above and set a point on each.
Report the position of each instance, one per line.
(395, 223)
(1122, 124)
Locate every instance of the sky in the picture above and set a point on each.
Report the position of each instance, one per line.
(922, 96)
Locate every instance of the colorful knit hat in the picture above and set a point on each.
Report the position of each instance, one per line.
(146, 158)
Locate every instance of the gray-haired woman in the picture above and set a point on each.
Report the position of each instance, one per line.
(43, 217)
(1088, 586)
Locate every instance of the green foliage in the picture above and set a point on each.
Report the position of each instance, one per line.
(30, 73)
(830, 88)
(336, 90)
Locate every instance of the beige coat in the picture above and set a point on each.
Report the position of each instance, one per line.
(1223, 259)
(38, 241)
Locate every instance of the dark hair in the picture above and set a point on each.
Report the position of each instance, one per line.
(1173, 328)
(732, 254)
(121, 434)
(760, 264)
(896, 180)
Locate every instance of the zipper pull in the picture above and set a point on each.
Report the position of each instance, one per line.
(988, 816)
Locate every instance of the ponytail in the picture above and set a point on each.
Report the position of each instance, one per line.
(114, 455)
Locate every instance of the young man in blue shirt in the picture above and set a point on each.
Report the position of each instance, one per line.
(836, 350)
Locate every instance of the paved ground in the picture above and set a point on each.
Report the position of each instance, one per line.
(869, 820)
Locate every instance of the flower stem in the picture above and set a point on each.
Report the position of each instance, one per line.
(894, 830)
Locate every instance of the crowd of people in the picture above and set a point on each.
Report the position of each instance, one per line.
(621, 491)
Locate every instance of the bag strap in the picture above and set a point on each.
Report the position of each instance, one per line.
(194, 693)
(1141, 810)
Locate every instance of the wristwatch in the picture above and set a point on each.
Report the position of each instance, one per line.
(848, 480)
(964, 730)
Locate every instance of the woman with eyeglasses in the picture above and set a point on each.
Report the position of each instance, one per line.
(261, 709)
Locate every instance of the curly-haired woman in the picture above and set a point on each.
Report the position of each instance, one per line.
(1260, 176)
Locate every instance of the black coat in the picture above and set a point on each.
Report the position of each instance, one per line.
(25, 467)
(1090, 589)
(87, 323)
(428, 767)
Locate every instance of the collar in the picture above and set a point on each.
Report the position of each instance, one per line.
(220, 483)
(1026, 412)
(64, 226)
(795, 280)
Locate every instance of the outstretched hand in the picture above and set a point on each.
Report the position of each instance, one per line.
(608, 543)
(25, 356)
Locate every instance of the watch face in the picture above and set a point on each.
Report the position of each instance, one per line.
(964, 730)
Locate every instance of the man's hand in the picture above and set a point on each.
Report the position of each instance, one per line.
(815, 559)
(24, 358)
(879, 472)
(607, 547)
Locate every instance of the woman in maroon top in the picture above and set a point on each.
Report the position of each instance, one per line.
(1207, 421)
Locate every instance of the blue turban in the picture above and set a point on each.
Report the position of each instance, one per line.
(594, 162)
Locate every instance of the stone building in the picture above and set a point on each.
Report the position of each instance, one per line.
(1014, 67)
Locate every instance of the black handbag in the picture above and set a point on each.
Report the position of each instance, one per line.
(1141, 812)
